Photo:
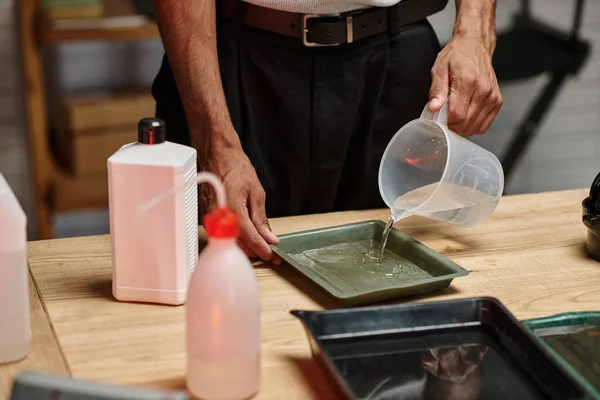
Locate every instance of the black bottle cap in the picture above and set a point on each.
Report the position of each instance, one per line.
(152, 131)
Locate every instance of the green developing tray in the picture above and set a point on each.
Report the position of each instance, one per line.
(335, 258)
(574, 339)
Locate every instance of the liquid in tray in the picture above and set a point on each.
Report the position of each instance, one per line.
(362, 256)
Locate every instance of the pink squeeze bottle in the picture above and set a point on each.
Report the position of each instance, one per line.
(223, 316)
(222, 312)
(222, 309)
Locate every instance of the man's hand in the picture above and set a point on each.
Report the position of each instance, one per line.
(464, 68)
(245, 196)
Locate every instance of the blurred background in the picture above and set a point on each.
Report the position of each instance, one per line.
(75, 78)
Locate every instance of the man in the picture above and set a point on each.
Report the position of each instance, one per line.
(292, 102)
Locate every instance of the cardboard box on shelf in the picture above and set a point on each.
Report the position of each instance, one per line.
(92, 127)
(93, 14)
(68, 3)
(87, 154)
(79, 114)
(73, 9)
(80, 12)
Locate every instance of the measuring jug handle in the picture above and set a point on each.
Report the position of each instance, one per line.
(440, 117)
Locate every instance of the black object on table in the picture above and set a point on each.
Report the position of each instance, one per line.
(591, 219)
(531, 48)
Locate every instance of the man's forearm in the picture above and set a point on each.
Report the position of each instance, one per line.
(476, 19)
(188, 31)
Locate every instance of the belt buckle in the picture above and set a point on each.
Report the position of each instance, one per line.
(349, 29)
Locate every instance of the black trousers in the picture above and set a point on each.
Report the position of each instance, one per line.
(314, 121)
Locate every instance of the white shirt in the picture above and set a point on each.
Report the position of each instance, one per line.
(321, 6)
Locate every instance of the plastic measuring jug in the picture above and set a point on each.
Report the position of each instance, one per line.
(430, 171)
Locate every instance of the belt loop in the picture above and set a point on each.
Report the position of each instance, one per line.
(393, 18)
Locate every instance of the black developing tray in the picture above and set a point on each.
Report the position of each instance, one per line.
(459, 349)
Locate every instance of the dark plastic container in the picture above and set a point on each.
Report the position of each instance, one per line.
(575, 339)
(591, 219)
(460, 349)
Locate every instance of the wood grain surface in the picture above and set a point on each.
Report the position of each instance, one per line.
(44, 352)
(529, 254)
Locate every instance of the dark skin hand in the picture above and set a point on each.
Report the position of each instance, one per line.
(463, 70)
(247, 197)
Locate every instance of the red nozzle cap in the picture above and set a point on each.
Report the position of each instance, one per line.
(222, 223)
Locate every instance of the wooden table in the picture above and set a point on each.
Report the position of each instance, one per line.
(529, 254)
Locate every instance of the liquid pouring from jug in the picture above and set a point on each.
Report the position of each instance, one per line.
(429, 170)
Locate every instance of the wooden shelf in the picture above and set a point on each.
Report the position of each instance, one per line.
(54, 190)
(148, 31)
(54, 36)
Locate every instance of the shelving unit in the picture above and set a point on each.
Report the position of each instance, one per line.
(54, 189)
(51, 36)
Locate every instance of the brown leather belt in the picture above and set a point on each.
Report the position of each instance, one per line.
(333, 30)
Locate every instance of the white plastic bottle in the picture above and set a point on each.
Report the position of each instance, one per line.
(154, 252)
(15, 322)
